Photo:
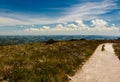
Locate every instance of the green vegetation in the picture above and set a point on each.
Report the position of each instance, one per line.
(50, 41)
(39, 62)
(118, 38)
(117, 48)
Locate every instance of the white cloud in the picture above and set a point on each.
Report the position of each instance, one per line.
(46, 27)
(87, 11)
(60, 26)
(84, 11)
(32, 29)
(80, 23)
(99, 23)
(10, 21)
(73, 26)
(99, 27)
(102, 26)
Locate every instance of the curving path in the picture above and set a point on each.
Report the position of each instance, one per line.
(103, 66)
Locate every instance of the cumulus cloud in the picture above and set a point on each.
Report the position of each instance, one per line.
(102, 25)
(80, 23)
(99, 27)
(99, 23)
(72, 26)
(46, 27)
(32, 29)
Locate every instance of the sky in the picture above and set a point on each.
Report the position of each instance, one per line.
(60, 17)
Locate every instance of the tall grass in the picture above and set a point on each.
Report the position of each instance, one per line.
(40, 62)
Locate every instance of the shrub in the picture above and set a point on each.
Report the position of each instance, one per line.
(119, 38)
(82, 39)
(51, 41)
(44, 63)
(73, 40)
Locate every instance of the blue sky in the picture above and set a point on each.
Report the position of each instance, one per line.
(60, 17)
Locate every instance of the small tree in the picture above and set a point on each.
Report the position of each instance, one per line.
(73, 40)
(82, 39)
(51, 41)
(119, 38)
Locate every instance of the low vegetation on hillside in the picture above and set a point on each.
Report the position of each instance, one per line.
(117, 48)
(44, 62)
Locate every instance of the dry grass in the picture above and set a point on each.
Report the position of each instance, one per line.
(41, 62)
(117, 48)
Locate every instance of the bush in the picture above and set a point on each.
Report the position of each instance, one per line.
(118, 38)
(82, 39)
(51, 41)
(73, 40)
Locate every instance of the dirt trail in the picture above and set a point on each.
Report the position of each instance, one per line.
(103, 66)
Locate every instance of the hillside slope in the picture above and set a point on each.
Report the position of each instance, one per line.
(41, 62)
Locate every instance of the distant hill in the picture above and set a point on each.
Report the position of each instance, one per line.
(7, 40)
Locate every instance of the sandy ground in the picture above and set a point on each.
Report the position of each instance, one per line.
(103, 66)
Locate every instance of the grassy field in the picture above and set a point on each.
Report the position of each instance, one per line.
(117, 48)
(41, 62)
